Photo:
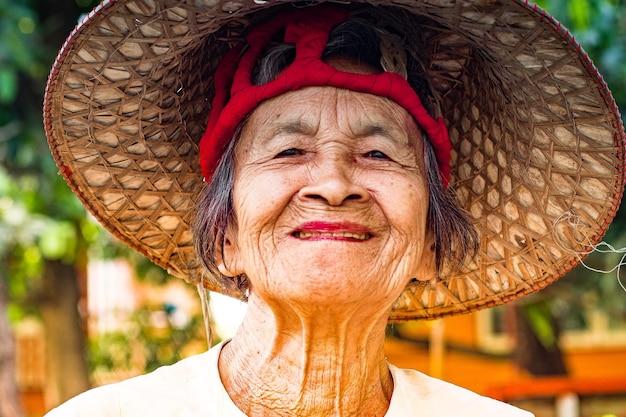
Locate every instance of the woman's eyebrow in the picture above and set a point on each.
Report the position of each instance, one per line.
(394, 135)
(289, 127)
(296, 126)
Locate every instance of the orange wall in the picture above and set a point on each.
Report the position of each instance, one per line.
(480, 372)
(596, 363)
(474, 372)
(459, 330)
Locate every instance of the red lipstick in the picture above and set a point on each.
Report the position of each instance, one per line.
(344, 231)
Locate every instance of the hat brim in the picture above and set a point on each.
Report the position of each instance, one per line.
(537, 141)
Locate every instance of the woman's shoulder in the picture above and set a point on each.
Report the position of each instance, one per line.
(182, 385)
(418, 394)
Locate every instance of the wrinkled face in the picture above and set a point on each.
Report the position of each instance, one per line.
(330, 198)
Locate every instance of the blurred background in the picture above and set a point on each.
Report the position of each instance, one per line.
(78, 310)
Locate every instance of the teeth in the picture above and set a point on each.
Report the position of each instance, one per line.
(308, 235)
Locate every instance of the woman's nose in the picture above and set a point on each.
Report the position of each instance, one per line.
(334, 182)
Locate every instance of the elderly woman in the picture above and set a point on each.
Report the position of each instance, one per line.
(329, 202)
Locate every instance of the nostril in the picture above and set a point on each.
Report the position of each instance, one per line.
(315, 196)
(333, 199)
(335, 188)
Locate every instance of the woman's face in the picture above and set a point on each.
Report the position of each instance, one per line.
(331, 200)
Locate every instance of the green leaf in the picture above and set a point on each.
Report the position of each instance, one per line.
(8, 85)
(580, 12)
(58, 240)
(540, 320)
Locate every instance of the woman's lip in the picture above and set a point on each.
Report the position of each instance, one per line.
(347, 231)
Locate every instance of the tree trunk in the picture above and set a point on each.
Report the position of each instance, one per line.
(67, 371)
(10, 404)
(536, 348)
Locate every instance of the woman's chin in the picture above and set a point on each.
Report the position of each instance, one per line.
(327, 272)
(326, 254)
(320, 288)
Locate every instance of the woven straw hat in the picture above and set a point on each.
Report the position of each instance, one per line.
(538, 146)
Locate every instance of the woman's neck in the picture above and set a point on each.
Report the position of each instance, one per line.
(307, 364)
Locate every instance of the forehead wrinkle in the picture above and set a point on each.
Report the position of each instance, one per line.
(366, 116)
(283, 118)
(388, 120)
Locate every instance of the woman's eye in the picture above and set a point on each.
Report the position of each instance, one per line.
(289, 152)
(376, 155)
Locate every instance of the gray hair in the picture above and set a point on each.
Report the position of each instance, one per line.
(455, 238)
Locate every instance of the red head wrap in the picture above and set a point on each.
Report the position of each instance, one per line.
(236, 96)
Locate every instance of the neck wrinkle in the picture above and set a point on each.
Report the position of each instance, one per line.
(288, 363)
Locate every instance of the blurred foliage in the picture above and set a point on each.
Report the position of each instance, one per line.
(39, 216)
(153, 336)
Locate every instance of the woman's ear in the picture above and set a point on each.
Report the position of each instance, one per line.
(227, 256)
(427, 269)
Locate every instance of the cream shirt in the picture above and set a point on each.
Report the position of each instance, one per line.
(192, 387)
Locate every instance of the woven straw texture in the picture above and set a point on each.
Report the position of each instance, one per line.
(538, 144)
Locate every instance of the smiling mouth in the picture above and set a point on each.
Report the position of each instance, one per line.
(331, 236)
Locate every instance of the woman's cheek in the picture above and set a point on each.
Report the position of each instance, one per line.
(258, 204)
